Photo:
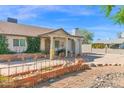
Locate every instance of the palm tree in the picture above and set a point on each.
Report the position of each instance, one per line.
(117, 16)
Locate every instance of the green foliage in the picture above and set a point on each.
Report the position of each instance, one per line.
(117, 16)
(107, 9)
(47, 68)
(88, 36)
(100, 46)
(33, 44)
(3, 78)
(43, 52)
(3, 45)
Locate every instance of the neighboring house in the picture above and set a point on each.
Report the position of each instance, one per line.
(113, 43)
(51, 39)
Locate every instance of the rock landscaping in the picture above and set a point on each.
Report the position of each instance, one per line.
(108, 76)
(111, 80)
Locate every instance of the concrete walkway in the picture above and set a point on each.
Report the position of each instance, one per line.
(108, 58)
(17, 67)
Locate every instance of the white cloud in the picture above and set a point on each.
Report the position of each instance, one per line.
(71, 10)
(26, 12)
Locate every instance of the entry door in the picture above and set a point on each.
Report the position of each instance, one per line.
(47, 44)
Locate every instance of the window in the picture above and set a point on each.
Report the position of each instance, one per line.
(22, 42)
(56, 44)
(15, 42)
(18, 42)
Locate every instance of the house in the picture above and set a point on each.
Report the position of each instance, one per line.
(51, 39)
(113, 43)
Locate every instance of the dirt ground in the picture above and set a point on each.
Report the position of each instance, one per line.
(82, 79)
(85, 79)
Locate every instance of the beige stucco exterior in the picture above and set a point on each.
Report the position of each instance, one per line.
(19, 31)
(65, 42)
(62, 44)
(16, 48)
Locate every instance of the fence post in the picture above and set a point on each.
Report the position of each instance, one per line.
(0, 71)
(16, 69)
(91, 48)
(8, 71)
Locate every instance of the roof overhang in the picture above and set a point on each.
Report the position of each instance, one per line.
(60, 29)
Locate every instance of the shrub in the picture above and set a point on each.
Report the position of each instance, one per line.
(33, 44)
(3, 78)
(100, 46)
(3, 45)
(44, 52)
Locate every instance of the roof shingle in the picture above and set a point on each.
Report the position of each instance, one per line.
(23, 30)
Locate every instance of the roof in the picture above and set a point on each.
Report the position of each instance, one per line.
(9, 28)
(21, 29)
(61, 29)
(114, 41)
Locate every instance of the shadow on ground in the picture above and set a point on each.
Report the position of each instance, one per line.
(90, 57)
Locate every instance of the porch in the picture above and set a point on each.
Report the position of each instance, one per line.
(60, 43)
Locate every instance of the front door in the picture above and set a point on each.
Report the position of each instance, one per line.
(47, 44)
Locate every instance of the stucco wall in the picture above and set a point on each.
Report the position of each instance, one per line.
(69, 45)
(16, 48)
(77, 46)
(23, 48)
(42, 44)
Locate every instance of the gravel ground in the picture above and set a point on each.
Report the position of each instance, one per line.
(97, 77)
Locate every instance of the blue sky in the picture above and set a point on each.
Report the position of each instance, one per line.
(67, 17)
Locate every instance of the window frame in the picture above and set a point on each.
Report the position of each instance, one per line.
(20, 43)
(15, 42)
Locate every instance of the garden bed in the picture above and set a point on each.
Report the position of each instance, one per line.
(33, 78)
(23, 56)
(110, 76)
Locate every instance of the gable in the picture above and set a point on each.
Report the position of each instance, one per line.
(59, 33)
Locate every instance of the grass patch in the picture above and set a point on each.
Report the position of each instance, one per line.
(3, 78)
(48, 68)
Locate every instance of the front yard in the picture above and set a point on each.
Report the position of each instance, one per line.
(99, 71)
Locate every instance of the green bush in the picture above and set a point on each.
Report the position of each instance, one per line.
(3, 45)
(44, 52)
(33, 45)
(100, 46)
(3, 78)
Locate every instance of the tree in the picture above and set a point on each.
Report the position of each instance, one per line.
(116, 13)
(88, 36)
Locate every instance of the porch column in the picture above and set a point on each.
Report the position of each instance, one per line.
(76, 46)
(80, 47)
(66, 47)
(51, 47)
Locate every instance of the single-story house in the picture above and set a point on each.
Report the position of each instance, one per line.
(112, 43)
(51, 39)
